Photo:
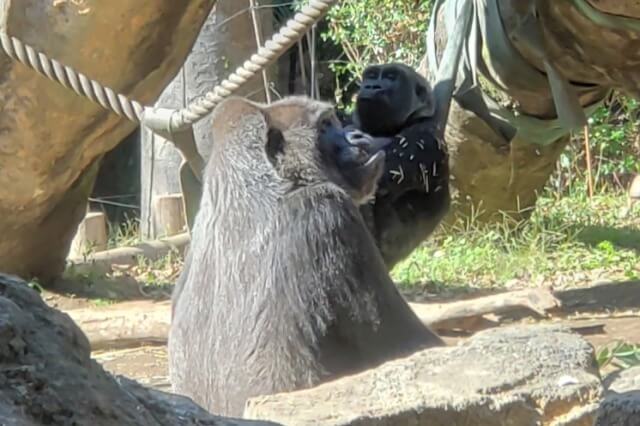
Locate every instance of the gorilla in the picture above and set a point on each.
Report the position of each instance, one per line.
(283, 287)
(412, 198)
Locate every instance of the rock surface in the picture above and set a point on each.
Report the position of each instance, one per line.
(523, 375)
(48, 377)
(621, 403)
(492, 173)
(51, 140)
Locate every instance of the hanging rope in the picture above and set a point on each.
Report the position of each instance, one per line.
(294, 29)
(288, 35)
(71, 79)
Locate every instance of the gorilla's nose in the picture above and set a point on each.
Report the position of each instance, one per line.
(372, 87)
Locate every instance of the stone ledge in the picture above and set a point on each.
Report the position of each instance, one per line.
(511, 376)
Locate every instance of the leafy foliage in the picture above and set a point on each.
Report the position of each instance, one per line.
(614, 140)
(377, 31)
(621, 355)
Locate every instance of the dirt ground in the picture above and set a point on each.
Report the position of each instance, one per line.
(603, 314)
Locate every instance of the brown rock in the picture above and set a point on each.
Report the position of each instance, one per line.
(51, 140)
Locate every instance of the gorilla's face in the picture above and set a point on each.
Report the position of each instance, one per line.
(388, 95)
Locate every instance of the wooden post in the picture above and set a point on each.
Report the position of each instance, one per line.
(91, 235)
(587, 150)
(169, 216)
(634, 189)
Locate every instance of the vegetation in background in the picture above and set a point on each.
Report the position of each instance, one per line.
(614, 139)
(376, 31)
(566, 241)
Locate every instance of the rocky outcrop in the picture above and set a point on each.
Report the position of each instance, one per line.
(48, 377)
(51, 140)
(524, 375)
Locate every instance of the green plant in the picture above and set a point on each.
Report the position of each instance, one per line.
(34, 284)
(563, 239)
(614, 140)
(123, 234)
(620, 354)
(377, 31)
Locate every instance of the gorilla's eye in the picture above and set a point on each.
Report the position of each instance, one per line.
(391, 76)
(325, 124)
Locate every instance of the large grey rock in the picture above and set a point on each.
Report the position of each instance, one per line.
(51, 140)
(525, 375)
(48, 377)
(621, 403)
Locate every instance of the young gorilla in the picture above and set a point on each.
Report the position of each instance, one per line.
(396, 102)
(283, 287)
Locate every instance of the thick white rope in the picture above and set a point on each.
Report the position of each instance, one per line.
(71, 79)
(294, 29)
(288, 35)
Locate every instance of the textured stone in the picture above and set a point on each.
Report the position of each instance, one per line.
(525, 375)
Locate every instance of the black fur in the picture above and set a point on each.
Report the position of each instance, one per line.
(413, 195)
(283, 287)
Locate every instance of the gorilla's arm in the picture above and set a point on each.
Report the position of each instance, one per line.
(415, 161)
(413, 193)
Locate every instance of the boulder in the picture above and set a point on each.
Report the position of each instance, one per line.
(48, 377)
(621, 403)
(595, 45)
(521, 375)
(52, 140)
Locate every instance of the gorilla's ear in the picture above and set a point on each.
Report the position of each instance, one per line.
(275, 146)
(426, 101)
(355, 119)
(234, 112)
(421, 92)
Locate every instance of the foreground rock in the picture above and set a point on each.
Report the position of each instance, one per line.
(621, 404)
(48, 377)
(525, 375)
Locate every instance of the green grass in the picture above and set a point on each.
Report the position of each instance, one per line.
(567, 240)
(124, 234)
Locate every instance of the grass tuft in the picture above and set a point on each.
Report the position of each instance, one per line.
(566, 241)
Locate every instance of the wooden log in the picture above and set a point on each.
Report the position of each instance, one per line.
(91, 235)
(102, 262)
(634, 188)
(169, 215)
(136, 323)
(464, 314)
